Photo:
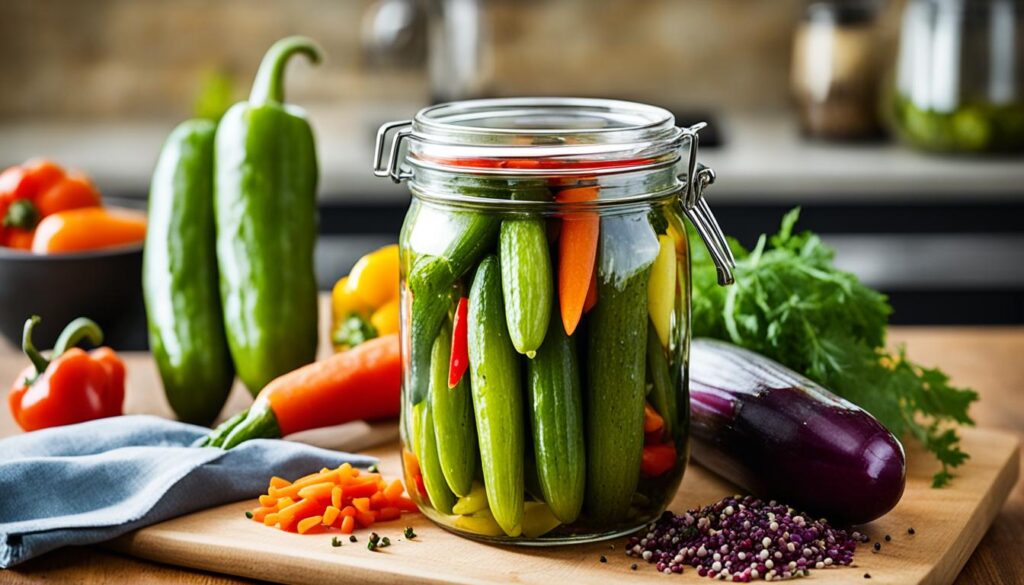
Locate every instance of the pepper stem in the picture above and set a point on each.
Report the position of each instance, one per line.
(77, 330)
(29, 348)
(269, 84)
(21, 214)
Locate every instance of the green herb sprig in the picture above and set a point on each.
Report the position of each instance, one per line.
(792, 304)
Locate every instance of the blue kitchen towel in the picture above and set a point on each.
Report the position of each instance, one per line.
(90, 482)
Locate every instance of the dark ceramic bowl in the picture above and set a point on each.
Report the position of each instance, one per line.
(104, 285)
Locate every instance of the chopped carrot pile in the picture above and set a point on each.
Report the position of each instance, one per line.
(344, 498)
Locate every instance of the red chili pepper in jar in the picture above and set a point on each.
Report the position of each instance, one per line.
(73, 385)
(460, 343)
(34, 190)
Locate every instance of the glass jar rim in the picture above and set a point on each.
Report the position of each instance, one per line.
(597, 119)
(542, 135)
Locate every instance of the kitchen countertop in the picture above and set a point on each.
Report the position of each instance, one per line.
(764, 160)
(986, 358)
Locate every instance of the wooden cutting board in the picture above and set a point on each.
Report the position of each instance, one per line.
(948, 523)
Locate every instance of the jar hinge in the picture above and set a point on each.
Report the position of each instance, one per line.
(698, 178)
(392, 166)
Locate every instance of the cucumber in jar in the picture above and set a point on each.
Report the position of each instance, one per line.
(617, 347)
(556, 409)
(526, 277)
(438, 264)
(497, 398)
(526, 282)
(454, 425)
(441, 497)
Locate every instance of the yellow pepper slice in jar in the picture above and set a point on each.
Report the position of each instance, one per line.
(482, 523)
(661, 288)
(538, 520)
(472, 502)
(374, 278)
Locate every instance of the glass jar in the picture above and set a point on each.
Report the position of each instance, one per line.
(960, 75)
(546, 313)
(835, 68)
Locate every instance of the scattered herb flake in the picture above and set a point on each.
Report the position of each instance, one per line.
(373, 468)
(353, 538)
(409, 533)
(335, 542)
(248, 514)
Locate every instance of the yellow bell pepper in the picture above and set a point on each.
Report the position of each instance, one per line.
(385, 319)
(365, 304)
(344, 302)
(374, 278)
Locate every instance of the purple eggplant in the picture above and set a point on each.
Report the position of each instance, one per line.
(782, 436)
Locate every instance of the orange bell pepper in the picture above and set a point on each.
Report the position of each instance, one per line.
(88, 229)
(35, 190)
(72, 386)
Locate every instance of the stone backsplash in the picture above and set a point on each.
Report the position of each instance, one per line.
(149, 58)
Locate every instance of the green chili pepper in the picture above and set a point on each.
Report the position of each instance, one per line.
(266, 177)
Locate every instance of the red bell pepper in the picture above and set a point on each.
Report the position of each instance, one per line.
(72, 386)
(460, 350)
(34, 190)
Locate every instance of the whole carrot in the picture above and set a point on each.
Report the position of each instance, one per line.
(362, 383)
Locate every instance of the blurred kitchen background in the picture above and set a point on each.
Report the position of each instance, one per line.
(793, 91)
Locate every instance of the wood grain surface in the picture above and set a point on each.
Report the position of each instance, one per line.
(948, 525)
(988, 359)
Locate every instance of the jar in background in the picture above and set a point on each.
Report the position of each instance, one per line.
(960, 76)
(546, 313)
(835, 70)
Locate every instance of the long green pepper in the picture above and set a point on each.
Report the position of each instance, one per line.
(265, 192)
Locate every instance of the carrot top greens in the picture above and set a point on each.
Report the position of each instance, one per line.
(792, 304)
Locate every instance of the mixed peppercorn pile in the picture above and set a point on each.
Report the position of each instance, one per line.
(742, 539)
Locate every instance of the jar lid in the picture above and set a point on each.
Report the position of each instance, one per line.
(525, 136)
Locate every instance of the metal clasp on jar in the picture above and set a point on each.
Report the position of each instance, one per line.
(392, 166)
(699, 177)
